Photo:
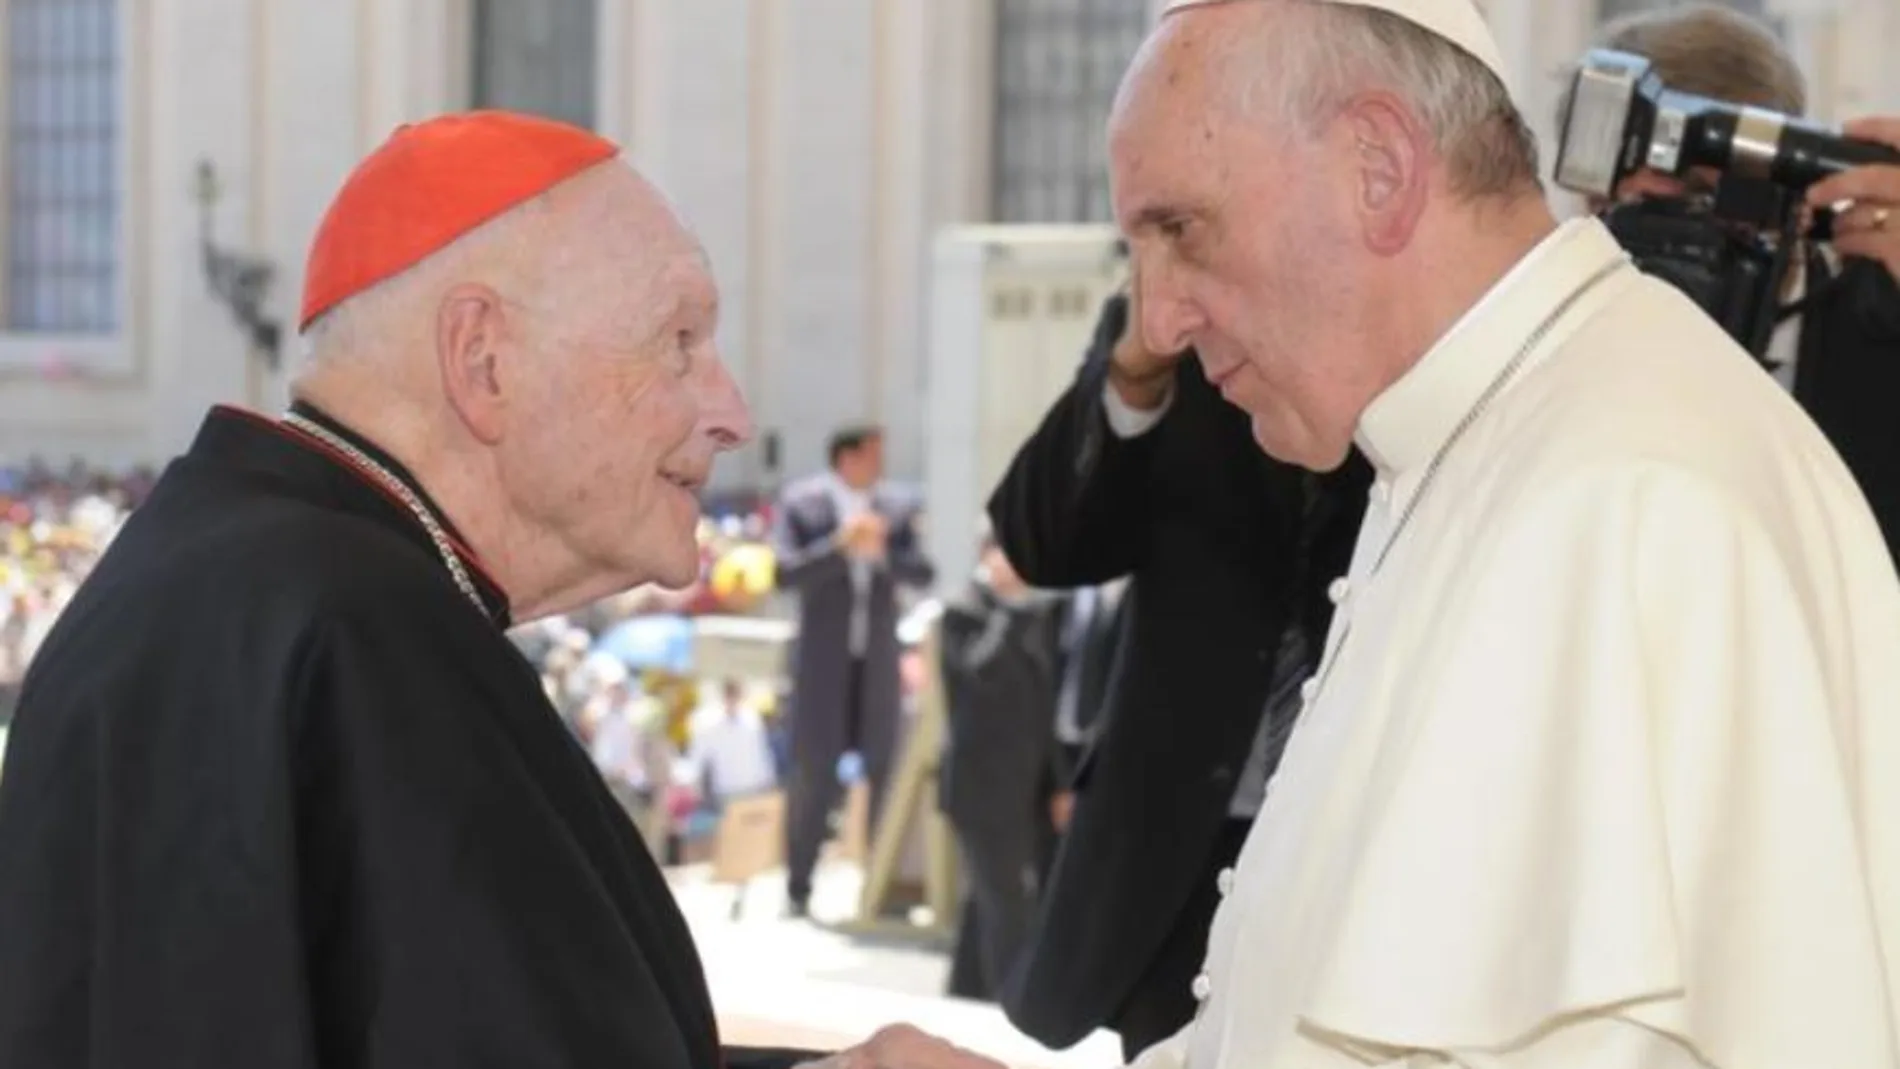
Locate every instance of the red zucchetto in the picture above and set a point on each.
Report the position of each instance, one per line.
(429, 184)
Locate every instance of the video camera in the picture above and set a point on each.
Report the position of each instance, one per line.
(1729, 250)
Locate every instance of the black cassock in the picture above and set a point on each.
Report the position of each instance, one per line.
(278, 795)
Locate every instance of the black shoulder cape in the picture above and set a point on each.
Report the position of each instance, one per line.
(278, 795)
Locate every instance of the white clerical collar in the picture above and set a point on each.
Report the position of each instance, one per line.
(1406, 425)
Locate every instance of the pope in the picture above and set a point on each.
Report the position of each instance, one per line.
(1601, 765)
(280, 792)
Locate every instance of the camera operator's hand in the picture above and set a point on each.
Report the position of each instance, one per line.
(1871, 228)
(1139, 377)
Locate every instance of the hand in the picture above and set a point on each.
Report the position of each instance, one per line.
(1871, 228)
(864, 535)
(903, 1047)
(1062, 809)
(1140, 378)
(1002, 575)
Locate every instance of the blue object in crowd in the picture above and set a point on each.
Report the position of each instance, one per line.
(850, 768)
(651, 643)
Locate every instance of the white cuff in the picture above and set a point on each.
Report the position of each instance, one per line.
(1126, 420)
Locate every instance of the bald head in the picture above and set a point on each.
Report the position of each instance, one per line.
(571, 251)
(556, 369)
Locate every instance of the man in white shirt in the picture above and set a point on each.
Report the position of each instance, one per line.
(1601, 766)
(730, 750)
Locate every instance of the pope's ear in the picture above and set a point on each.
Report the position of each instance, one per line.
(1391, 148)
(469, 328)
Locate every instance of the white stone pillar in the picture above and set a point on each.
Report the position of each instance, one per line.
(204, 82)
(962, 109)
(819, 117)
(1864, 78)
(1541, 42)
(903, 224)
(680, 94)
(315, 114)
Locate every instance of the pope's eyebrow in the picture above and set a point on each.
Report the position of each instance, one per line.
(1157, 217)
(1150, 217)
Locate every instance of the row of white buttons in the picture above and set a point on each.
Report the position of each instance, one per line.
(1224, 881)
(1203, 983)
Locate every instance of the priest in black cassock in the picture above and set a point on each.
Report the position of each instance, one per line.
(280, 793)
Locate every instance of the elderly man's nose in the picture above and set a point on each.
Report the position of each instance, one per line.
(725, 414)
(1166, 323)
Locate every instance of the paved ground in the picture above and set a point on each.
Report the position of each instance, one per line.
(764, 939)
(778, 980)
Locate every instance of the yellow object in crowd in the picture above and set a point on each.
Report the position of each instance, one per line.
(679, 696)
(744, 575)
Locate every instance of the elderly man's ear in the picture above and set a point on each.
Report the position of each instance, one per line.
(470, 325)
(1390, 152)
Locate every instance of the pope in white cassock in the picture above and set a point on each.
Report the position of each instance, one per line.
(1602, 765)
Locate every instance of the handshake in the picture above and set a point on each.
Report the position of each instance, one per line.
(904, 1047)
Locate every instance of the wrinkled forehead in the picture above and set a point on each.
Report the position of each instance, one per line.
(632, 222)
(1172, 77)
(1185, 77)
(648, 259)
(685, 277)
(1168, 139)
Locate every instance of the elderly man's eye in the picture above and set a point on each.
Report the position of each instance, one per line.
(683, 351)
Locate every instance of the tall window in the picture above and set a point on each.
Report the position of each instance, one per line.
(536, 56)
(63, 171)
(1058, 63)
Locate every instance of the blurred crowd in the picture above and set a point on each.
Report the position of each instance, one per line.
(53, 525)
(675, 738)
(619, 671)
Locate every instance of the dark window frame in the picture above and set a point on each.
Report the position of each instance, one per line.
(65, 182)
(563, 82)
(1057, 66)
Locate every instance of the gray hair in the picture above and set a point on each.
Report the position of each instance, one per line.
(1477, 129)
(358, 321)
(1710, 51)
(341, 329)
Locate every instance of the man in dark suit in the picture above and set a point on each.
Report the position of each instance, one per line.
(1142, 470)
(1000, 667)
(845, 541)
(1091, 635)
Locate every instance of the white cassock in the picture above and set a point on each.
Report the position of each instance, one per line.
(1606, 771)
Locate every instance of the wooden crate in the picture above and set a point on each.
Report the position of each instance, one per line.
(750, 839)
